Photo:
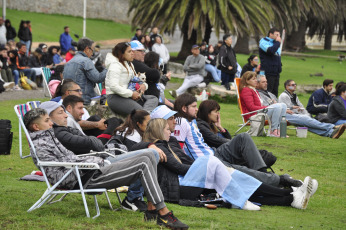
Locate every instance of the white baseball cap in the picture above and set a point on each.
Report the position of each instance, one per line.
(162, 111)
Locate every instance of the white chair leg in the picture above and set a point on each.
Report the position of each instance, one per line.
(60, 199)
(109, 202)
(97, 208)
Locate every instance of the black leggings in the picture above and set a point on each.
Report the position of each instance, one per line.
(270, 195)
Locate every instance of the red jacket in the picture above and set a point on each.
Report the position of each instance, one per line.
(250, 101)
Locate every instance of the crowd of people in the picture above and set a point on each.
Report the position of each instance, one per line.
(176, 150)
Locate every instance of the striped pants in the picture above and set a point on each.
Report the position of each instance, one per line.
(127, 171)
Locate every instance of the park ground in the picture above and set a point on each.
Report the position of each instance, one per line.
(320, 157)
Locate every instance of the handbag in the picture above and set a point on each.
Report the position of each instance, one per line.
(23, 82)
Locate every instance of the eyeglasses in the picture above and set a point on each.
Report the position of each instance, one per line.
(293, 85)
(75, 90)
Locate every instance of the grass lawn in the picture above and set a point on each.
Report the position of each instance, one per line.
(48, 27)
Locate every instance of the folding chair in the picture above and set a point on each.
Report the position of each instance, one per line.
(246, 122)
(33, 104)
(46, 74)
(20, 111)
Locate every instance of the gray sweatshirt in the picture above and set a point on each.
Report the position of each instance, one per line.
(195, 65)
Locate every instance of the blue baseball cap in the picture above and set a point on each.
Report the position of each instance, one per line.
(195, 46)
(162, 111)
(136, 45)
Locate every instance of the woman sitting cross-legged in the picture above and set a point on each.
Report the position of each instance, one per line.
(210, 173)
(251, 101)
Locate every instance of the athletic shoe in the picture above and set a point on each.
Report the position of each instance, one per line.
(127, 205)
(170, 221)
(17, 88)
(274, 133)
(140, 204)
(302, 194)
(202, 85)
(150, 215)
(173, 93)
(338, 132)
(9, 85)
(287, 181)
(251, 207)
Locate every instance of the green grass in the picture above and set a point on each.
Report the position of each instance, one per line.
(48, 27)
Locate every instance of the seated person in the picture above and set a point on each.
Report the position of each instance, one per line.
(55, 79)
(120, 79)
(251, 65)
(314, 126)
(152, 60)
(337, 108)
(22, 62)
(194, 67)
(133, 128)
(120, 173)
(251, 101)
(209, 172)
(210, 63)
(91, 125)
(320, 99)
(268, 178)
(291, 100)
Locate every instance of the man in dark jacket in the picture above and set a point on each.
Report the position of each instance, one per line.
(270, 55)
(65, 40)
(228, 62)
(22, 62)
(11, 33)
(321, 98)
(152, 75)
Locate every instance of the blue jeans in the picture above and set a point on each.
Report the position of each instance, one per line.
(215, 72)
(314, 126)
(275, 113)
(339, 122)
(27, 44)
(135, 189)
(15, 76)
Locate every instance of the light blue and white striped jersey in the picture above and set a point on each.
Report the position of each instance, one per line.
(189, 133)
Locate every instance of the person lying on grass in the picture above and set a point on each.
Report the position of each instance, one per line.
(109, 176)
(209, 172)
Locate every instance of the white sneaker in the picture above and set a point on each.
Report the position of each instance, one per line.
(9, 85)
(251, 207)
(302, 194)
(16, 87)
(202, 85)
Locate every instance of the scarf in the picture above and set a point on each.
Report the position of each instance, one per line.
(293, 97)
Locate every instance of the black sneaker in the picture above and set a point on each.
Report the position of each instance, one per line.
(170, 221)
(287, 181)
(127, 205)
(140, 204)
(150, 215)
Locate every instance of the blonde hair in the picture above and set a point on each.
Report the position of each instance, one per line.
(245, 77)
(154, 133)
(154, 130)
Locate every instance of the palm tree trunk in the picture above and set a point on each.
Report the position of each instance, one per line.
(328, 37)
(187, 44)
(296, 40)
(242, 45)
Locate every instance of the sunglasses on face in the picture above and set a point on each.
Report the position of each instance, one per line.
(76, 90)
(293, 85)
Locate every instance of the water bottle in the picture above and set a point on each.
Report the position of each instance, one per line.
(283, 127)
(204, 95)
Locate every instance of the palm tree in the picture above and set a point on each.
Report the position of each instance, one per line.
(240, 17)
(336, 21)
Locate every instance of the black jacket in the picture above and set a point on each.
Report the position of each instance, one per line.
(24, 34)
(227, 58)
(76, 141)
(336, 110)
(152, 75)
(10, 33)
(247, 67)
(4, 62)
(212, 139)
(35, 62)
(167, 172)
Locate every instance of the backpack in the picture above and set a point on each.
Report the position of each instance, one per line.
(257, 123)
(6, 137)
(115, 142)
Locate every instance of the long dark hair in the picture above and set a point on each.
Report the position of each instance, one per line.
(205, 109)
(151, 59)
(340, 87)
(130, 123)
(119, 51)
(184, 99)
